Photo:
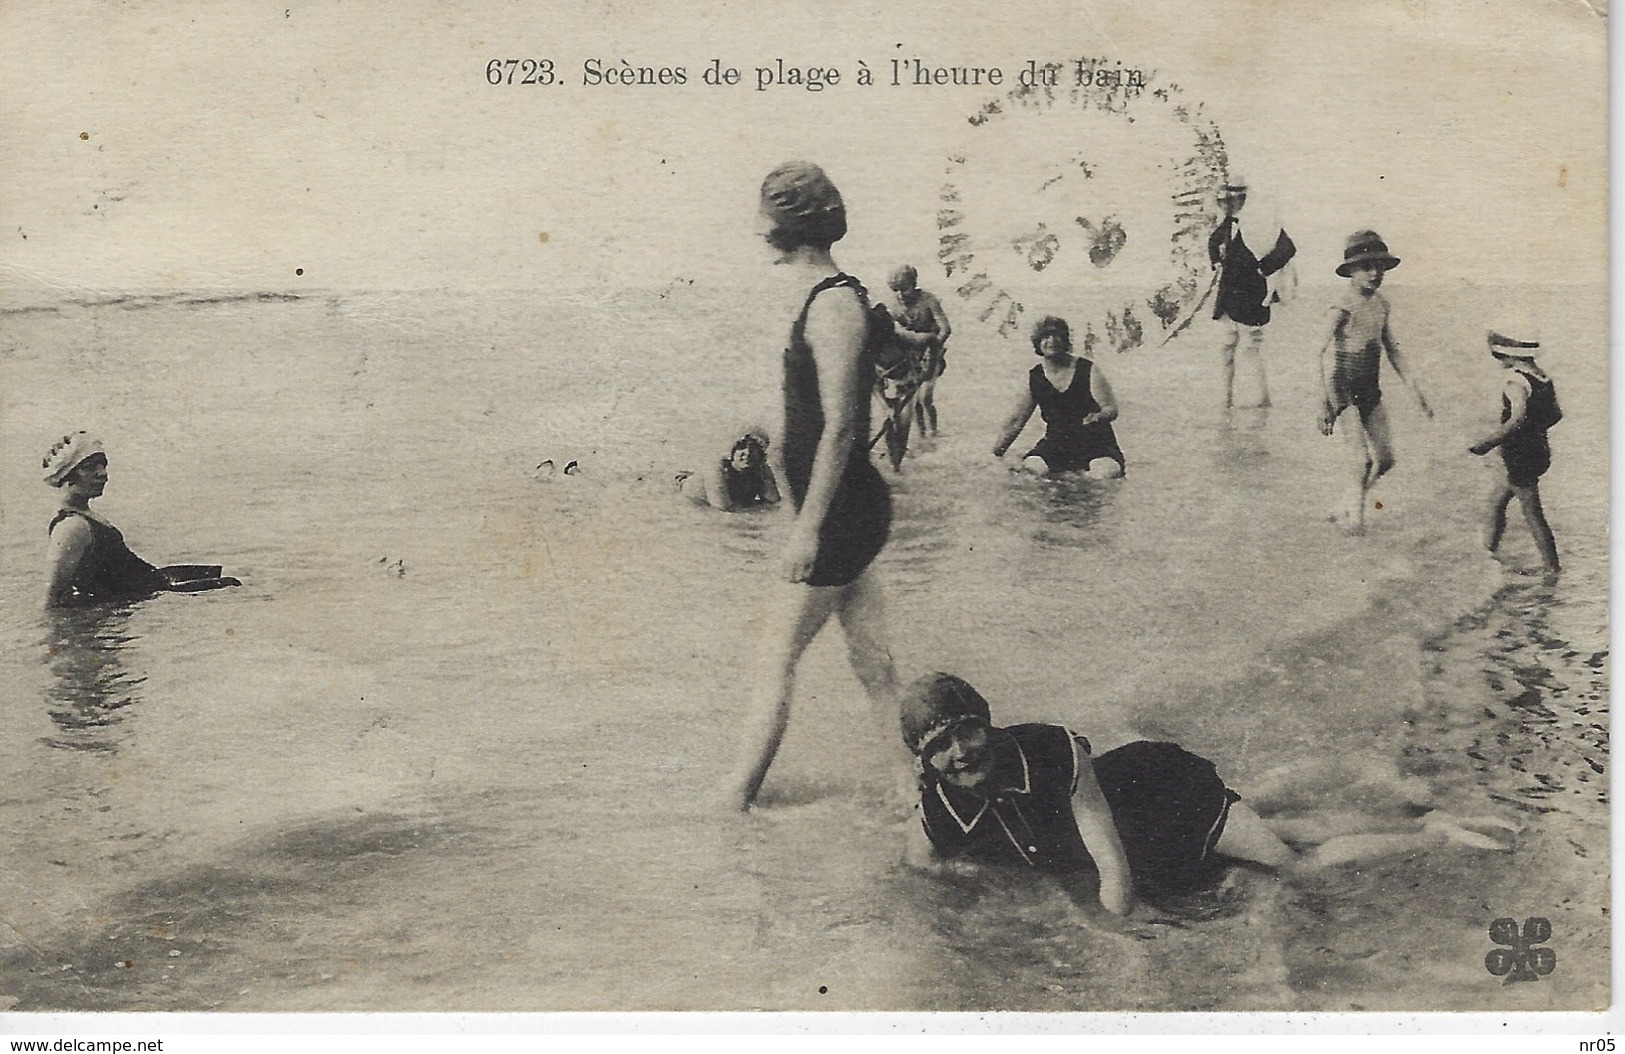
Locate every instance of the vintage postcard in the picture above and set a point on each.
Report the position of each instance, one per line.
(1065, 507)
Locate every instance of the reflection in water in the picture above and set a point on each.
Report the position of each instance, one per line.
(84, 647)
(1067, 510)
(1241, 446)
(1538, 738)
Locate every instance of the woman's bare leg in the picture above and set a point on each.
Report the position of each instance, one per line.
(796, 613)
(862, 611)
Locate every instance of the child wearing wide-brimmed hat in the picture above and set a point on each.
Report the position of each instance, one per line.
(1528, 409)
(1351, 360)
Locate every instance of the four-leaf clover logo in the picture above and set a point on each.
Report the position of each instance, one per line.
(1520, 958)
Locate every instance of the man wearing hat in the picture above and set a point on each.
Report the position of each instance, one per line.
(1244, 296)
(1528, 408)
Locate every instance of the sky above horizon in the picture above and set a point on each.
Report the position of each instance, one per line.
(288, 146)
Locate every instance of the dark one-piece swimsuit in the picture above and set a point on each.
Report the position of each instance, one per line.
(1527, 453)
(858, 521)
(1068, 446)
(110, 571)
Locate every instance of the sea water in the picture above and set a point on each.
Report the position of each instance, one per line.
(456, 743)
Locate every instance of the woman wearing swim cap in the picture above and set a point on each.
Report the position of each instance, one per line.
(842, 507)
(88, 560)
(1147, 817)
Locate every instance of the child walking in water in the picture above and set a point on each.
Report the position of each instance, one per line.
(1528, 408)
(1350, 360)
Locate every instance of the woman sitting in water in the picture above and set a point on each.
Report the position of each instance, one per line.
(1151, 818)
(742, 480)
(88, 560)
(1077, 406)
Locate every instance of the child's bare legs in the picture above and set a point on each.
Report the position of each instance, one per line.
(1535, 517)
(925, 407)
(795, 615)
(1371, 444)
(1495, 519)
(1351, 515)
(1380, 443)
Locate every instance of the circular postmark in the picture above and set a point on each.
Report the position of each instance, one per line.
(1085, 192)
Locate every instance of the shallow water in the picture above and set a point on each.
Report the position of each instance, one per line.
(452, 745)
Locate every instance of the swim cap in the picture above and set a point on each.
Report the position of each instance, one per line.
(66, 454)
(904, 278)
(934, 704)
(804, 203)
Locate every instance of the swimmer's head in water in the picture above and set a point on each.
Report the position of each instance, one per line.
(904, 279)
(803, 207)
(67, 453)
(1050, 326)
(934, 704)
(749, 452)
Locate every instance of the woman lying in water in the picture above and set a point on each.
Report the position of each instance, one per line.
(88, 560)
(742, 480)
(1151, 819)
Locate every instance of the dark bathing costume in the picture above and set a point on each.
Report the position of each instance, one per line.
(859, 518)
(1169, 807)
(1068, 446)
(1526, 452)
(110, 571)
(744, 488)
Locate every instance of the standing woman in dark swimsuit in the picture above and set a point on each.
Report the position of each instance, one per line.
(88, 561)
(1077, 406)
(842, 506)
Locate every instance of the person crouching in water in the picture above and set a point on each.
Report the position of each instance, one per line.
(1528, 408)
(742, 480)
(1151, 819)
(88, 560)
(1071, 394)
